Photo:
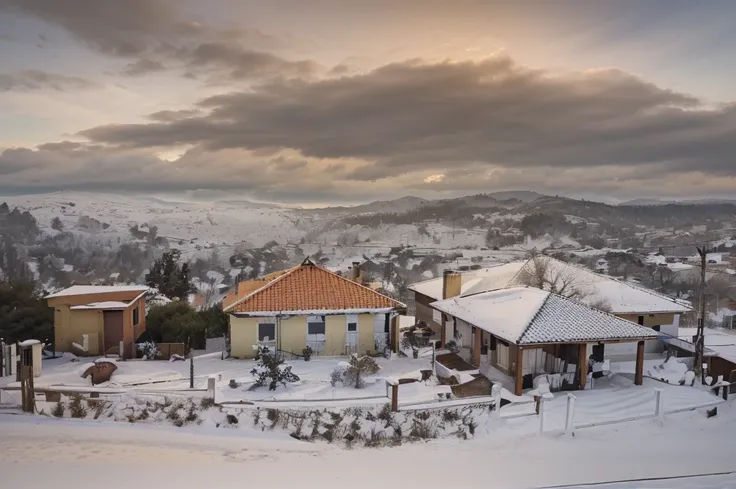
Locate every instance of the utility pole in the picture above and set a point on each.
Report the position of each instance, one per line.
(700, 337)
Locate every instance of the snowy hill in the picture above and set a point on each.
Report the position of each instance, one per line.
(191, 223)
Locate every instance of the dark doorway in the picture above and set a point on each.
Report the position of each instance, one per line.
(113, 321)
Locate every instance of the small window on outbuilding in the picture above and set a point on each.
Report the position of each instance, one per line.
(136, 317)
(266, 331)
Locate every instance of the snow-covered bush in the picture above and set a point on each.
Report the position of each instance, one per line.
(359, 366)
(149, 350)
(270, 370)
(452, 346)
(337, 376)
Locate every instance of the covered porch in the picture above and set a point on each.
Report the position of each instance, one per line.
(521, 333)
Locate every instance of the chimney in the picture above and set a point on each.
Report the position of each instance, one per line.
(357, 273)
(452, 282)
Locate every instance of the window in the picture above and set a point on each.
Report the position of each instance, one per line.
(352, 321)
(135, 316)
(316, 325)
(266, 332)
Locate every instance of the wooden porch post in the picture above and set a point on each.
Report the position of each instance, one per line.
(518, 377)
(639, 375)
(583, 364)
(477, 340)
(443, 333)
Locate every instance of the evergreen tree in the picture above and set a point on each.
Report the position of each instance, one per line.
(24, 314)
(176, 322)
(169, 277)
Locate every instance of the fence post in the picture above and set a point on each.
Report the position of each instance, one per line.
(211, 387)
(659, 408)
(570, 419)
(496, 393)
(394, 396)
(541, 415)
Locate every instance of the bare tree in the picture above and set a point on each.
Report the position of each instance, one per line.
(543, 272)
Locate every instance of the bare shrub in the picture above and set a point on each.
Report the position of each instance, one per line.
(58, 410)
(76, 409)
(358, 367)
(206, 403)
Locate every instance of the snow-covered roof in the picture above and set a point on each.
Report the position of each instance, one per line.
(677, 266)
(526, 315)
(618, 296)
(720, 342)
(108, 305)
(473, 281)
(97, 289)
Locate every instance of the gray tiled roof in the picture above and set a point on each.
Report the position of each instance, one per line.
(561, 320)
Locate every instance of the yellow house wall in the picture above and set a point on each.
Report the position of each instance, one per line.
(90, 323)
(650, 320)
(293, 334)
(243, 335)
(366, 341)
(69, 326)
(335, 329)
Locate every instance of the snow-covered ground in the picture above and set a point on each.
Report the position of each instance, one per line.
(39, 452)
(314, 384)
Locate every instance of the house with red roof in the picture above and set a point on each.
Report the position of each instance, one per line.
(310, 306)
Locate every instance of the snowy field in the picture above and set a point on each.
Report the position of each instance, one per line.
(39, 452)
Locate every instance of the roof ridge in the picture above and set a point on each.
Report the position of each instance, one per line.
(526, 262)
(301, 267)
(531, 321)
(260, 289)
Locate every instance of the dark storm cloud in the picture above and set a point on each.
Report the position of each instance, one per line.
(143, 66)
(413, 115)
(155, 35)
(245, 64)
(40, 80)
(172, 115)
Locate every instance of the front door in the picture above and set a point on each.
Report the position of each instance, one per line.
(113, 325)
(351, 333)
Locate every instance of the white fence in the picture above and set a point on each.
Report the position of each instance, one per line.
(578, 413)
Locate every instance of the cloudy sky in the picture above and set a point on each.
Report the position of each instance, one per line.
(327, 101)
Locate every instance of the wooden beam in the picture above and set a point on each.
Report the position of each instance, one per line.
(583, 364)
(443, 334)
(639, 375)
(518, 377)
(529, 346)
(477, 340)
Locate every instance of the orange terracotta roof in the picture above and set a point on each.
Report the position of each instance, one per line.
(311, 288)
